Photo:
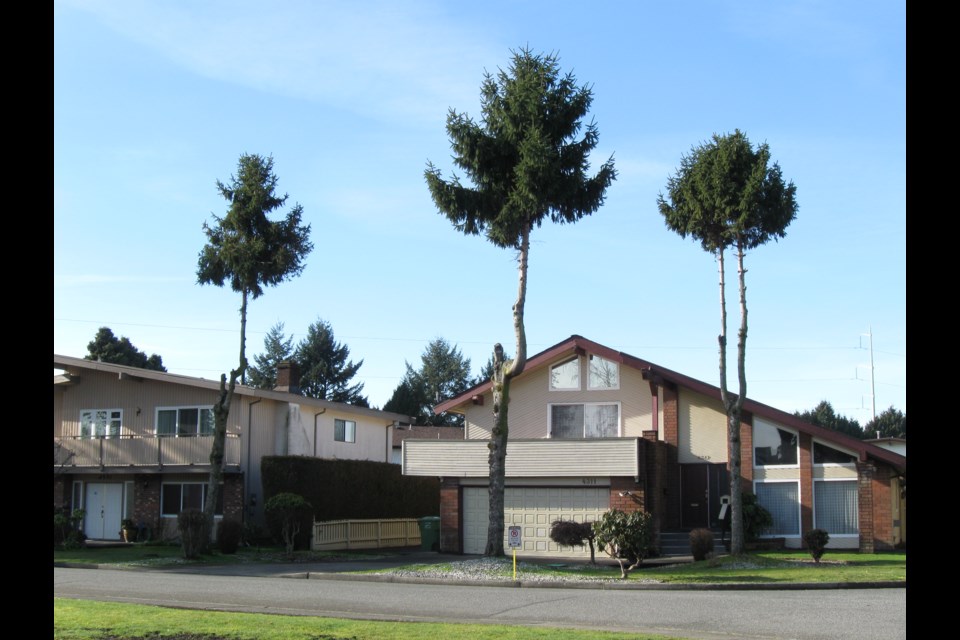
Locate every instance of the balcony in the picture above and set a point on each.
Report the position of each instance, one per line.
(154, 452)
(525, 458)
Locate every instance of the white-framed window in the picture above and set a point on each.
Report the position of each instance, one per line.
(835, 507)
(602, 373)
(774, 446)
(782, 500)
(344, 430)
(822, 454)
(184, 421)
(565, 376)
(100, 423)
(585, 420)
(177, 496)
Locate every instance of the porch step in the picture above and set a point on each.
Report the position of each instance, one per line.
(677, 542)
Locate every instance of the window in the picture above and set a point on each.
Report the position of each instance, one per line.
(835, 507)
(185, 421)
(584, 420)
(603, 373)
(344, 430)
(782, 500)
(177, 496)
(822, 454)
(565, 376)
(96, 423)
(773, 446)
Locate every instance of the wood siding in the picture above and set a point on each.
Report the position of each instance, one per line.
(525, 458)
(702, 429)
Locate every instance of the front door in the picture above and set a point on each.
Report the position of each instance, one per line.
(104, 505)
(694, 494)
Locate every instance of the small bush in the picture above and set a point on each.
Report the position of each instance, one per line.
(67, 532)
(228, 535)
(290, 518)
(701, 543)
(194, 536)
(816, 541)
(573, 534)
(756, 519)
(625, 537)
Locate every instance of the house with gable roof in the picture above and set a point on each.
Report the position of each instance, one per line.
(135, 444)
(592, 429)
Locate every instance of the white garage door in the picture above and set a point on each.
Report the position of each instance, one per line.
(534, 509)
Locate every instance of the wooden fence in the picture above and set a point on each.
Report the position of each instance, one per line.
(365, 534)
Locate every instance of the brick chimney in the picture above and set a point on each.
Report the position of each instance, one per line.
(288, 377)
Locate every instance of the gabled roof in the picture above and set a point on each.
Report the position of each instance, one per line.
(660, 375)
(74, 367)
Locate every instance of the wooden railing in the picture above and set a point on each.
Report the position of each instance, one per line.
(365, 534)
(140, 451)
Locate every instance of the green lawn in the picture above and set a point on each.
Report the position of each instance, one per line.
(86, 620)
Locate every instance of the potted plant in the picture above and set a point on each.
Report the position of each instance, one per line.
(128, 529)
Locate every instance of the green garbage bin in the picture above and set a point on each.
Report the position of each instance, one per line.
(429, 533)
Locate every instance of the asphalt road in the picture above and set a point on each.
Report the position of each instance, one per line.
(855, 614)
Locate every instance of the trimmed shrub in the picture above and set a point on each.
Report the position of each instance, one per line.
(701, 543)
(290, 519)
(625, 537)
(194, 537)
(573, 534)
(66, 528)
(816, 541)
(228, 535)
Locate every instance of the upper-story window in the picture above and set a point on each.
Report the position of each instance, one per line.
(603, 373)
(565, 376)
(100, 423)
(185, 421)
(590, 420)
(822, 454)
(773, 446)
(344, 430)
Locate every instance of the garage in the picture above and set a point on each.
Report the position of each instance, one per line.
(534, 509)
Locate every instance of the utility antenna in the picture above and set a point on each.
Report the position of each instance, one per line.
(873, 395)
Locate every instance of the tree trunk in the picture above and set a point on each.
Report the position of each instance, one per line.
(221, 412)
(503, 371)
(734, 412)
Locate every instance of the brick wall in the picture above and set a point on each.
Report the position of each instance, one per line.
(882, 509)
(865, 486)
(806, 483)
(61, 496)
(626, 503)
(450, 516)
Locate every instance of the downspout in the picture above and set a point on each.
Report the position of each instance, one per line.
(246, 472)
(315, 416)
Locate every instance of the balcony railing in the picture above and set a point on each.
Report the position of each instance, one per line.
(140, 451)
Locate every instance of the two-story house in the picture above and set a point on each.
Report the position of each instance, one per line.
(592, 429)
(133, 443)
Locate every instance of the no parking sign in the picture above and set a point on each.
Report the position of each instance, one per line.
(513, 537)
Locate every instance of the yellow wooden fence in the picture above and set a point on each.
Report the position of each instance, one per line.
(365, 534)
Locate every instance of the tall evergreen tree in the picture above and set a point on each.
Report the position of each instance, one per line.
(890, 423)
(325, 371)
(249, 251)
(106, 347)
(726, 194)
(277, 347)
(526, 164)
(443, 374)
(823, 415)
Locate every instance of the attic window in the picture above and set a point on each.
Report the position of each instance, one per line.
(565, 376)
(603, 373)
(822, 454)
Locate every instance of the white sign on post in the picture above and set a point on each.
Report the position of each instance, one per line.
(513, 537)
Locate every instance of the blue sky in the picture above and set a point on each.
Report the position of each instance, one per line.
(155, 101)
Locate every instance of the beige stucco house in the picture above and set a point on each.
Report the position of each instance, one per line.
(133, 443)
(592, 429)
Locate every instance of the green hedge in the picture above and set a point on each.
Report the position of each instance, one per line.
(351, 489)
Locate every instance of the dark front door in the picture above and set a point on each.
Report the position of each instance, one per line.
(694, 494)
(719, 482)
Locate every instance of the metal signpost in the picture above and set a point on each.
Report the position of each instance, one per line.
(513, 540)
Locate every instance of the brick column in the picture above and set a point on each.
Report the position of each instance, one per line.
(806, 484)
(146, 502)
(61, 497)
(865, 486)
(882, 509)
(450, 517)
(233, 497)
(746, 452)
(671, 435)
